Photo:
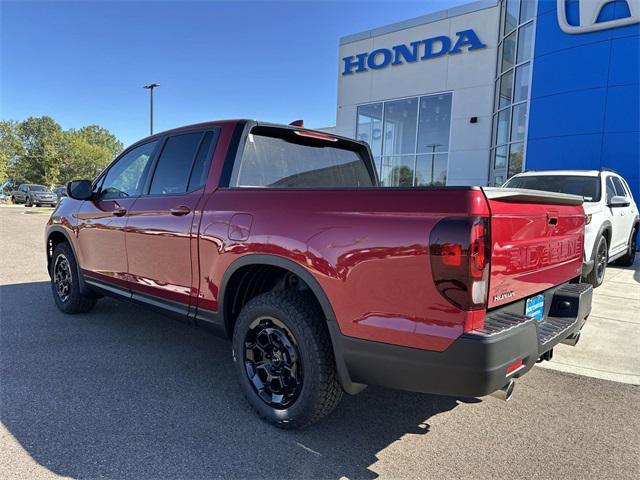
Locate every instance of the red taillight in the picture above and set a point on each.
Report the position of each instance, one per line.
(459, 255)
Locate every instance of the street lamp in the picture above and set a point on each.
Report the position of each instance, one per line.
(433, 158)
(150, 87)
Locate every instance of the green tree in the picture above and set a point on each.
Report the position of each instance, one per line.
(40, 162)
(10, 150)
(80, 158)
(101, 137)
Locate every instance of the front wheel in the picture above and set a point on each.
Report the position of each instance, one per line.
(284, 359)
(28, 202)
(600, 261)
(629, 258)
(65, 283)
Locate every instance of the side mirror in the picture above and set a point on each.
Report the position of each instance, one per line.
(618, 201)
(80, 189)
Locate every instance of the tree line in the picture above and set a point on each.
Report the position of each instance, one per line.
(38, 150)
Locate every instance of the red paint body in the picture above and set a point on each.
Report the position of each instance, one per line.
(368, 249)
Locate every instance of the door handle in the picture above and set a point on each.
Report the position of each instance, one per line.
(119, 211)
(180, 210)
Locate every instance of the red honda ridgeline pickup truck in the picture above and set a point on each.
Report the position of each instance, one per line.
(279, 238)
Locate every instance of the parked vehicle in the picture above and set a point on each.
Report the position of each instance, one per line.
(31, 195)
(279, 238)
(611, 215)
(60, 192)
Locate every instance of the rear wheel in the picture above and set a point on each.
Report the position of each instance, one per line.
(65, 284)
(284, 359)
(600, 261)
(630, 257)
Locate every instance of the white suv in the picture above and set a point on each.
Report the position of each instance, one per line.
(611, 215)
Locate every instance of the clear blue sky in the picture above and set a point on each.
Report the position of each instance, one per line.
(86, 62)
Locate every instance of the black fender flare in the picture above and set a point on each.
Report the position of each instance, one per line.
(84, 288)
(606, 225)
(334, 331)
(635, 226)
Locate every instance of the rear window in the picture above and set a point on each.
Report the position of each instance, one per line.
(281, 160)
(587, 187)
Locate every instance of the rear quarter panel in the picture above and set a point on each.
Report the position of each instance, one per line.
(367, 248)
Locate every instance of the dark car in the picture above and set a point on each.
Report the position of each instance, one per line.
(31, 195)
(278, 238)
(60, 192)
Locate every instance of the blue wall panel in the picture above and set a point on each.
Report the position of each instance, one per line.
(570, 152)
(623, 109)
(590, 64)
(548, 115)
(585, 101)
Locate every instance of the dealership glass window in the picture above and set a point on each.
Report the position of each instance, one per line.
(500, 157)
(370, 126)
(400, 123)
(506, 89)
(433, 123)
(431, 170)
(525, 43)
(398, 171)
(501, 126)
(527, 10)
(522, 85)
(411, 130)
(513, 85)
(511, 17)
(518, 122)
(508, 52)
(516, 156)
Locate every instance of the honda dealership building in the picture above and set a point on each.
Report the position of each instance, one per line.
(474, 94)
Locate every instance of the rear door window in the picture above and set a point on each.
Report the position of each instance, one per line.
(611, 189)
(172, 171)
(284, 159)
(620, 190)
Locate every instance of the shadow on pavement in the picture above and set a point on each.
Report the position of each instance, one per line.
(123, 392)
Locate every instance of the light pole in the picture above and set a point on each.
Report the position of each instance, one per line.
(433, 157)
(150, 87)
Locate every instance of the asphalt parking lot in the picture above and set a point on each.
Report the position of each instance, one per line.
(122, 392)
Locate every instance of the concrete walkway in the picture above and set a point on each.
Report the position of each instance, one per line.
(609, 347)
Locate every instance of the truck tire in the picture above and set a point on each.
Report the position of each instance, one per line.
(600, 261)
(630, 257)
(284, 359)
(65, 284)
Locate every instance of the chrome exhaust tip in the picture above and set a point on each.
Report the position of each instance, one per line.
(572, 340)
(505, 392)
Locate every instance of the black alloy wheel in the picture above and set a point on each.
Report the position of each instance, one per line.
(62, 278)
(272, 362)
(601, 261)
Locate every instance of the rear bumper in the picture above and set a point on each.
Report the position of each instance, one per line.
(476, 363)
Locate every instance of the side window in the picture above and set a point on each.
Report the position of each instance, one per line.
(611, 190)
(125, 177)
(200, 170)
(619, 188)
(172, 171)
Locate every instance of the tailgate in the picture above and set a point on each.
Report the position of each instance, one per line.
(536, 242)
